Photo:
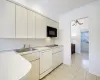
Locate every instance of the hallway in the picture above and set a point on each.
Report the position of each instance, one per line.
(77, 71)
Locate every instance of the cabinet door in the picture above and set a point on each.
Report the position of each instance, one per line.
(57, 26)
(49, 22)
(31, 24)
(52, 23)
(57, 59)
(21, 22)
(45, 61)
(34, 72)
(40, 26)
(7, 19)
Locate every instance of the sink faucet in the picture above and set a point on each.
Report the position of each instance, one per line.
(24, 46)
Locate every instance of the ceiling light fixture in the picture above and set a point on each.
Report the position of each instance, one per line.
(77, 22)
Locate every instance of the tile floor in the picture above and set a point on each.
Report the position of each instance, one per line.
(77, 71)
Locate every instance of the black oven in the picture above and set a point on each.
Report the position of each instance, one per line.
(51, 32)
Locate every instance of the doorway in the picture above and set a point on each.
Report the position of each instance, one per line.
(80, 40)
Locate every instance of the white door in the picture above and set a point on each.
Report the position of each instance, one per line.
(7, 19)
(45, 61)
(21, 22)
(40, 26)
(57, 59)
(31, 24)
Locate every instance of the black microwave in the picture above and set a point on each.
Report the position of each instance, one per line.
(51, 32)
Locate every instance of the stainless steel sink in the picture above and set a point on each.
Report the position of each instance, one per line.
(24, 50)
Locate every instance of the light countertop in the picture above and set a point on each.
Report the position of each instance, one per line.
(13, 66)
(38, 49)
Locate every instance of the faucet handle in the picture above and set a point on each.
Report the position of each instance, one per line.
(24, 46)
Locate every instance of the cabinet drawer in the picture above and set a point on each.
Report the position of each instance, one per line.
(31, 56)
(57, 49)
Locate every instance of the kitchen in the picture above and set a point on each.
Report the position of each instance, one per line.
(31, 35)
(35, 40)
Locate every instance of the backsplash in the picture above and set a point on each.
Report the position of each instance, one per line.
(9, 44)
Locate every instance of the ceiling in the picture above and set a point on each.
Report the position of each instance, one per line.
(56, 7)
(61, 6)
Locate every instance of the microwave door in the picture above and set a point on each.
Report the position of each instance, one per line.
(51, 32)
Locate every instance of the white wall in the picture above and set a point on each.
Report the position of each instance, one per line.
(92, 11)
(9, 44)
(76, 33)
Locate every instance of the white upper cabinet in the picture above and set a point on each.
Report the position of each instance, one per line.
(7, 19)
(40, 26)
(49, 22)
(56, 25)
(52, 23)
(21, 22)
(31, 24)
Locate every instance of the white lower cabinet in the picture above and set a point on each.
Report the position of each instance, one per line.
(34, 72)
(57, 59)
(33, 58)
(45, 63)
